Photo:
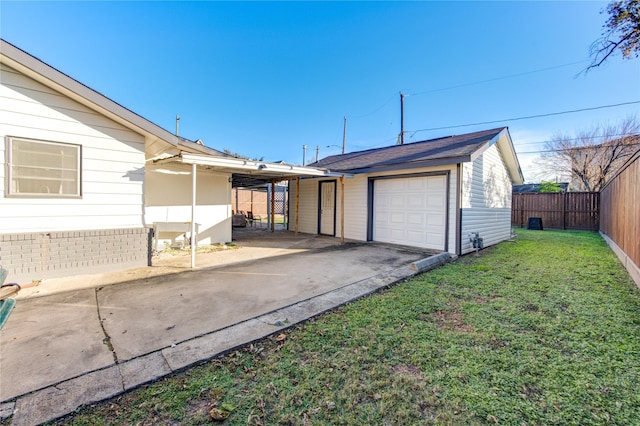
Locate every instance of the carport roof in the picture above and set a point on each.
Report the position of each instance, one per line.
(247, 173)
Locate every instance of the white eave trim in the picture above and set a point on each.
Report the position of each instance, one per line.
(239, 165)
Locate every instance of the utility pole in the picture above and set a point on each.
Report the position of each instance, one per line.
(177, 124)
(304, 155)
(401, 119)
(344, 135)
(317, 152)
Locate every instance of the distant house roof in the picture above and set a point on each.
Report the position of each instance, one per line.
(198, 147)
(535, 187)
(434, 152)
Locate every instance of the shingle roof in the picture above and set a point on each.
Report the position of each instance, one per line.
(446, 150)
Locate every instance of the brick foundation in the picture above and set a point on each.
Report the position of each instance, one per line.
(40, 255)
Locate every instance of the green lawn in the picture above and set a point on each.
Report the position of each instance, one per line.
(544, 330)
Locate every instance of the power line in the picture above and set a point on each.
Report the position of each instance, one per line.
(496, 78)
(526, 117)
(468, 84)
(375, 110)
(574, 149)
(577, 139)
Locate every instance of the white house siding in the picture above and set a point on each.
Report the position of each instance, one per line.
(101, 230)
(308, 206)
(168, 199)
(356, 198)
(112, 161)
(355, 204)
(486, 200)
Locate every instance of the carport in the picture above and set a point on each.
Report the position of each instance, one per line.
(245, 173)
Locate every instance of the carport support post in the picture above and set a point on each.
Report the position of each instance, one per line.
(342, 209)
(273, 205)
(284, 208)
(193, 215)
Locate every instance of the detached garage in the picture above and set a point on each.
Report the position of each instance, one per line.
(432, 194)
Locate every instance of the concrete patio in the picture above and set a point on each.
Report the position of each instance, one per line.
(83, 339)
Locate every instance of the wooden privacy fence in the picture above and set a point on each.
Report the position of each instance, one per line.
(249, 200)
(567, 210)
(620, 220)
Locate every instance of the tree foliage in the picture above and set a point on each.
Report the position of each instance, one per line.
(621, 32)
(549, 187)
(591, 157)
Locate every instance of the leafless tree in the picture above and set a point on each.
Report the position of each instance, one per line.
(593, 156)
(621, 32)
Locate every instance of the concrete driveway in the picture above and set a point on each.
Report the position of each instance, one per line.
(88, 338)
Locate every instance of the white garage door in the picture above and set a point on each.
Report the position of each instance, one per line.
(410, 211)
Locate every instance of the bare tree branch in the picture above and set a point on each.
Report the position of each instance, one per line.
(592, 157)
(621, 33)
(610, 48)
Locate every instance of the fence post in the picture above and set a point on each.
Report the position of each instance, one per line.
(564, 211)
(521, 211)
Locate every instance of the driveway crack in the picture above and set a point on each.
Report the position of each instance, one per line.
(107, 339)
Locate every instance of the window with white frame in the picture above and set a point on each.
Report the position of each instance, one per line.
(37, 168)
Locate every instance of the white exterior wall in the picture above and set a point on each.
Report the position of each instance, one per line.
(307, 204)
(356, 198)
(112, 161)
(355, 208)
(168, 199)
(486, 199)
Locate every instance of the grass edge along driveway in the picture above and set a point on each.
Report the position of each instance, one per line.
(543, 330)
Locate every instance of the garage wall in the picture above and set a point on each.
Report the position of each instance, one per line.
(355, 194)
(308, 205)
(486, 199)
(356, 207)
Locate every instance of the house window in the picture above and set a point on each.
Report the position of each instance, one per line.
(38, 168)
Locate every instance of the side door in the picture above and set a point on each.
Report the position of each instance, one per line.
(327, 208)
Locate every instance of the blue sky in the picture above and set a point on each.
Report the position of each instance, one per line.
(263, 79)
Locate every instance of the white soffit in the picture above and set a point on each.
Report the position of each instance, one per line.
(238, 165)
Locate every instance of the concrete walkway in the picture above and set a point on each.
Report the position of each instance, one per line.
(80, 340)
